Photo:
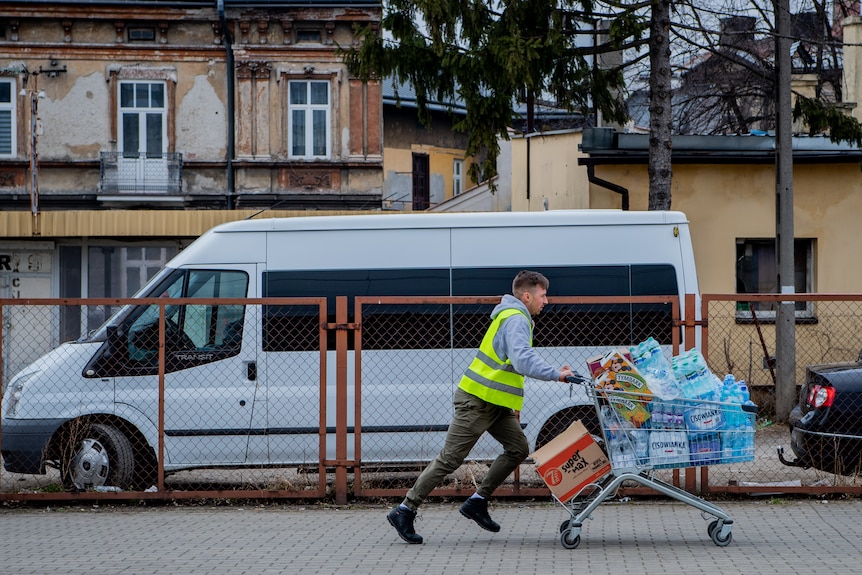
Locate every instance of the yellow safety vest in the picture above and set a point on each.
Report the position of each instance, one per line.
(491, 378)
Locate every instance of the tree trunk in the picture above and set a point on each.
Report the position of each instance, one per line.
(660, 117)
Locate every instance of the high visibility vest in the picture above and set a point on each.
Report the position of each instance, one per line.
(491, 378)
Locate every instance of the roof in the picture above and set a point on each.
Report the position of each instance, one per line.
(404, 95)
(407, 95)
(456, 220)
(605, 146)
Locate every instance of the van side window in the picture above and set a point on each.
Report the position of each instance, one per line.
(393, 326)
(195, 334)
(292, 328)
(561, 325)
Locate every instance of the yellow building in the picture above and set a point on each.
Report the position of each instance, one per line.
(423, 165)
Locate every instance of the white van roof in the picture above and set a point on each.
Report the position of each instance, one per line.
(456, 220)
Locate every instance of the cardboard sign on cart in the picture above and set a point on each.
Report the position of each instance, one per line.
(571, 461)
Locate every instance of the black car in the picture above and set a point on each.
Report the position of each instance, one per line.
(826, 424)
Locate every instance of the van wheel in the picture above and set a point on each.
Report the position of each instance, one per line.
(97, 455)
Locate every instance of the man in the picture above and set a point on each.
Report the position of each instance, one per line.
(487, 399)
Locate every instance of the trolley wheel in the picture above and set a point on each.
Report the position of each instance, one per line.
(569, 540)
(566, 524)
(712, 527)
(715, 534)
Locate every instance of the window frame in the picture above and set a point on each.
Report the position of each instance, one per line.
(457, 177)
(12, 108)
(142, 113)
(750, 248)
(309, 109)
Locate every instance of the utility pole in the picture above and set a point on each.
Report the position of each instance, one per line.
(34, 95)
(785, 321)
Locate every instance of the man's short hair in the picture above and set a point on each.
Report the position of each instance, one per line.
(527, 280)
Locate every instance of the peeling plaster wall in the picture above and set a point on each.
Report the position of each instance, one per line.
(68, 135)
(79, 55)
(201, 122)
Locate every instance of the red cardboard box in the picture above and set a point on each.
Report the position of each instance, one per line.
(571, 461)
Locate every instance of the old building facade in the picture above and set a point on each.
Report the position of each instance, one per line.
(129, 128)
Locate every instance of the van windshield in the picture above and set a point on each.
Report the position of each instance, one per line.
(154, 288)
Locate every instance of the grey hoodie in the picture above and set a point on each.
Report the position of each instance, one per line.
(513, 342)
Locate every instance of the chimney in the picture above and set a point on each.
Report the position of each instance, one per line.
(737, 32)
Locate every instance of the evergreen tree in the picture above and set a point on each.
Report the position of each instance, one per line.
(487, 55)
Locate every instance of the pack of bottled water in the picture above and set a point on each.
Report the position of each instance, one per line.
(693, 417)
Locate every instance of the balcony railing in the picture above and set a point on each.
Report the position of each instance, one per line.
(132, 174)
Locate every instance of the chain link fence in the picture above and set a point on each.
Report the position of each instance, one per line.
(740, 339)
(184, 398)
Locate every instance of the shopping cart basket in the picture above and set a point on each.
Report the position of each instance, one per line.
(644, 433)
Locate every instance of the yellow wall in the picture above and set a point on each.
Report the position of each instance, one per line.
(398, 163)
(726, 202)
(554, 173)
(722, 201)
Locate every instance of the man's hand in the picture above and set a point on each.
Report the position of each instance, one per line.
(565, 372)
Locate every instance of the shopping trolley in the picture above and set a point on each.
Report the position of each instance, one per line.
(644, 433)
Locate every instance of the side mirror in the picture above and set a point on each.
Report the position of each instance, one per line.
(859, 357)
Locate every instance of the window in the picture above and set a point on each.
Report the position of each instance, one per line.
(308, 36)
(308, 119)
(757, 272)
(438, 326)
(457, 175)
(194, 334)
(142, 119)
(8, 144)
(142, 34)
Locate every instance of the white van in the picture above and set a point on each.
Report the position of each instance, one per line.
(242, 382)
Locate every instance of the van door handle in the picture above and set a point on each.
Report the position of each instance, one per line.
(251, 370)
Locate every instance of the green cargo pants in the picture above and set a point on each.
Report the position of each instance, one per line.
(473, 417)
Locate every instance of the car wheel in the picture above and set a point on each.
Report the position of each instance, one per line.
(98, 455)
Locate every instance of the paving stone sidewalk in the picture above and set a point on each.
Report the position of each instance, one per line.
(770, 536)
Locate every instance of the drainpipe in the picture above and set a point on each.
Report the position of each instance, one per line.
(591, 177)
(228, 43)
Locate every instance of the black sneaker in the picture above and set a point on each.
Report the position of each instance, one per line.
(477, 510)
(402, 520)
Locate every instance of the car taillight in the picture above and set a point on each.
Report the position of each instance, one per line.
(821, 396)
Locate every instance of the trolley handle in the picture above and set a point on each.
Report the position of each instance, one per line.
(577, 378)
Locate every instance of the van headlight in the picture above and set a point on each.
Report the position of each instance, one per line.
(16, 390)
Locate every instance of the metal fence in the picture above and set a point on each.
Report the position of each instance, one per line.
(292, 398)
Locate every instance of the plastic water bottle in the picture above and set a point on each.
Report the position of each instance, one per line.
(729, 389)
(727, 437)
(621, 450)
(657, 418)
(744, 396)
(677, 420)
(641, 441)
(747, 447)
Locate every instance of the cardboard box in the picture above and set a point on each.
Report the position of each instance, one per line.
(601, 363)
(623, 376)
(571, 461)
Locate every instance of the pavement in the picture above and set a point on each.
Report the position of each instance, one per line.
(771, 535)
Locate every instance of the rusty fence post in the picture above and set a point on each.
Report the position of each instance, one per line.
(340, 401)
